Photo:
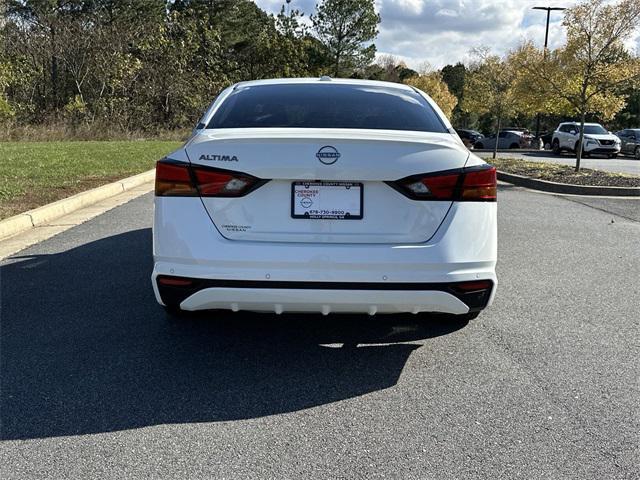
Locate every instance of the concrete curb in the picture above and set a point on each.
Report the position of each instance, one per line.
(38, 216)
(553, 187)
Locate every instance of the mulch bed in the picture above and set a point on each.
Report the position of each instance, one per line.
(565, 174)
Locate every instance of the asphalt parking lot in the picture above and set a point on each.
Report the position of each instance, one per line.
(96, 383)
(621, 164)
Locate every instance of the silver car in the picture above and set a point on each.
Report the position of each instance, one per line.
(507, 139)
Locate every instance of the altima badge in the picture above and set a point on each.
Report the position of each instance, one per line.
(328, 155)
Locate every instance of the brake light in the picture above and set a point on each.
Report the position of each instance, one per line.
(441, 187)
(480, 185)
(178, 179)
(173, 179)
(212, 183)
(468, 184)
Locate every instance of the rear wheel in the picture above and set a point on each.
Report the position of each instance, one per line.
(637, 153)
(556, 147)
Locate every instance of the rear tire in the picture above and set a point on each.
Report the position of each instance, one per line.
(556, 147)
(637, 153)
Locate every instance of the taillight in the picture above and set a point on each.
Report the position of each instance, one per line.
(480, 185)
(473, 184)
(213, 183)
(182, 180)
(173, 179)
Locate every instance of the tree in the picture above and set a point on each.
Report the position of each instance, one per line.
(345, 28)
(592, 72)
(453, 76)
(489, 87)
(387, 68)
(291, 49)
(433, 85)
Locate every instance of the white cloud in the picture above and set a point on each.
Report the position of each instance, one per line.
(444, 31)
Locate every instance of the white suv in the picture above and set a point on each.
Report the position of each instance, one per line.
(596, 139)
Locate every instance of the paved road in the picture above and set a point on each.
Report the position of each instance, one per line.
(621, 164)
(96, 383)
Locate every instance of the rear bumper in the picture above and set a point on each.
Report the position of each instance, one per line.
(322, 297)
(305, 277)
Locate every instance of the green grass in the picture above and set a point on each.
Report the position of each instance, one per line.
(36, 173)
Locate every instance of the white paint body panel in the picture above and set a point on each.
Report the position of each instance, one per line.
(285, 155)
(185, 244)
(324, 301)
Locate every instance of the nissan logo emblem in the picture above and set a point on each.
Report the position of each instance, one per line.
(328, 155)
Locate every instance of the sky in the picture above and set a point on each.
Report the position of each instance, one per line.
(440, 32)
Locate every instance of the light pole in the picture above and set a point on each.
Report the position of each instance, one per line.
(546, 43)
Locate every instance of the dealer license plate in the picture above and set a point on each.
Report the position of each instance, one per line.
(327, 200)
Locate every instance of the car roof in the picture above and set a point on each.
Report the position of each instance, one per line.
(324, 81)
(578, 123)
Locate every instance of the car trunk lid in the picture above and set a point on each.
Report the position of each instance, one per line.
(334, 161)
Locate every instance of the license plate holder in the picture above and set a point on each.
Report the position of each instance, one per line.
(327, 200)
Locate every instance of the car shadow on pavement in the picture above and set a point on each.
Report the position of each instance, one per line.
(84, 348)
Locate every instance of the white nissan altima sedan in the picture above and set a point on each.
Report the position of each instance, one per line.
(324, 195)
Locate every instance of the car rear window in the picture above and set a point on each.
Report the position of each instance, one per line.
(326, 106)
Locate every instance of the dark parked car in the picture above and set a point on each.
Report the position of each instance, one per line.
(630, 142)
(469, 137)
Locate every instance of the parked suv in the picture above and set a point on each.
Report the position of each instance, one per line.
(596, 139)
(630, 142)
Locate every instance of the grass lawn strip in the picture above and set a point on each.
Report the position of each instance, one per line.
(553, 172)
(33, 174)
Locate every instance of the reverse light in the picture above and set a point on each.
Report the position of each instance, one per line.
(180, 179)
(473, 184)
